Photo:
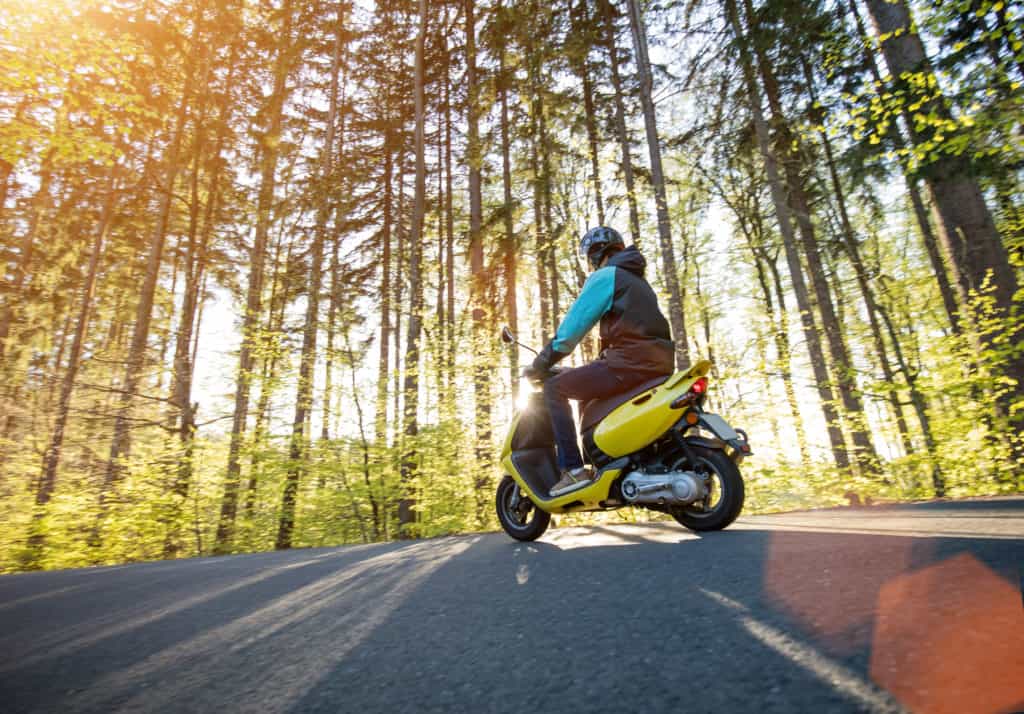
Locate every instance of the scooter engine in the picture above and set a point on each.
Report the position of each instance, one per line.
(679, 488)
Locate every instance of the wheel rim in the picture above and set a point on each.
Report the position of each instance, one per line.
(518, 519)
(715, 499)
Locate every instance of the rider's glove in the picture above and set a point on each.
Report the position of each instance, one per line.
(544, 361)
(534, 374)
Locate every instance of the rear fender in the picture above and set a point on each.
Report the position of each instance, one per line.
(723, 437)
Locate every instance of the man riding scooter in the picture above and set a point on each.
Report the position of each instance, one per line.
(636, 344)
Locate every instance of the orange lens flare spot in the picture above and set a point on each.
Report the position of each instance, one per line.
(948, 638)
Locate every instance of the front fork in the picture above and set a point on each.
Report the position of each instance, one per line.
(516, 496)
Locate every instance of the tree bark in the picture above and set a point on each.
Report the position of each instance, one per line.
(51, 458)
(40, 203)
(931, 244)
(581, 29)
(968, 234)
(298, 448)
(668, 258)
(384, 341)
(478, 278)
(406, 515)
(852, 249)
(782, 212)
(509, 245)
(541, 239)
(620, 119)
(864, 456)
(917, 399)
(120, 444)
(269, 150)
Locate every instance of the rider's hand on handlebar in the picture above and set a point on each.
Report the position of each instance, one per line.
(534, 374)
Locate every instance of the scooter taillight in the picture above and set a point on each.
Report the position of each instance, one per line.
(693, 394)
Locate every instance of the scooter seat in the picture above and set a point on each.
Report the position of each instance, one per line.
(597, 409)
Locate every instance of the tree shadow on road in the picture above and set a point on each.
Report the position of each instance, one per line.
(626, 618)
(662, 620)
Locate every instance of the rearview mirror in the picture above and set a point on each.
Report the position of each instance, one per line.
(506, 335)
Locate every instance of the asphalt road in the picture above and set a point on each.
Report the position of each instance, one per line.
(883, 609)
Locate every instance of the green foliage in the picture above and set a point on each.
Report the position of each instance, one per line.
(88, 85)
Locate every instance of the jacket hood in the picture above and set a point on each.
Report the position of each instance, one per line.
(629, 259)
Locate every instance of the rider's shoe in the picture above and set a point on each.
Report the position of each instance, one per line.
(572, 480)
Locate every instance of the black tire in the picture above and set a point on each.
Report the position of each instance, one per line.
(528, 522)
(725, 476)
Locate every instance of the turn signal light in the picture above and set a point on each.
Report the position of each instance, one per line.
(691, 417)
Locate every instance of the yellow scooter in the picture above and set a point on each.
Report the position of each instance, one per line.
(652, 446)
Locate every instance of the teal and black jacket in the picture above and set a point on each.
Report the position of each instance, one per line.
(635, 336)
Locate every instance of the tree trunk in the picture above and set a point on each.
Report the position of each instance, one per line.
(509, 245)
(620, 119)
(364, 443)
(269, 148)
(852, 249)
(668, 258)
(51, 458)
(547, 318)
(449, 248)
(120, 444)
(406, 516)
(298, 448)
(968, 233)
(478, 278)
(580, 25)
(931, 244)
(782, 212)
(332, 316)
(40, 202)
(864, 455)
(918, 401)
(6, 168)
(401, 261)
(278, 301)
(974, 249)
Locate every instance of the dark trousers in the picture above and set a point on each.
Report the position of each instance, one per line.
(592, 381)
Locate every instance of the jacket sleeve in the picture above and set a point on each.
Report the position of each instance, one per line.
(594, 301)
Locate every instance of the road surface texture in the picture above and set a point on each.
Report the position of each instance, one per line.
(899, 608)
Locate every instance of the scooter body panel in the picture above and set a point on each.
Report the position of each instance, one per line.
(589, 498)
(646, 417)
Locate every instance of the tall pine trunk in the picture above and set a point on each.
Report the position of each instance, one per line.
(864, 455)
(406, 516)
(481, 367)
(668, 257)
(620, 118)
(51, 457)
(269, 151)
(782, 213)
(509, 244)
(976, 253)
(581, 25)
(931, 245)
(298, 447)
(121, 442)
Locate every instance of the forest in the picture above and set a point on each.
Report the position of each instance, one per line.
(255, 255)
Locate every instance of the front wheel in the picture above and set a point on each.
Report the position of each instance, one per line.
(520, 518)
(725, 496)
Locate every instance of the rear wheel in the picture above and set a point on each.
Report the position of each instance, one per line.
(724, 499)
(520, 518)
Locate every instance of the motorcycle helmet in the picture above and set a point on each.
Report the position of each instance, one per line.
(597, 242)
